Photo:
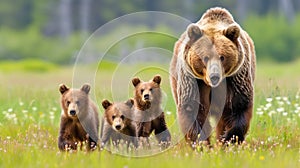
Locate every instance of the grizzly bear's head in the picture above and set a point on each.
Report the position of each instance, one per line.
(118, 114)
(74, 102)
(147, 93)
(212, 52)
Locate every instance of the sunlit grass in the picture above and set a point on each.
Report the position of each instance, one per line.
(29, 123)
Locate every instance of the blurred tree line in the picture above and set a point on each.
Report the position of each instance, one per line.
(55, 30)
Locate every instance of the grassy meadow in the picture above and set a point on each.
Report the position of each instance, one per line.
(30, 111)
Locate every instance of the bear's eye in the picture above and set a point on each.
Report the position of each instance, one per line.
(206, 59)
(222, 58)
(122, 117)
(113, 117)
(151, 90)
(68, 103)
(142, 91)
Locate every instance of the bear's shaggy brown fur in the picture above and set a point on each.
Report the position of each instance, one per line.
(212, 72)
(79, 119)
(148, 113)
(117, 124)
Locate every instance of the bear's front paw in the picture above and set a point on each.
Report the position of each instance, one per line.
(93, 145)
(65, 146)
(101, 146)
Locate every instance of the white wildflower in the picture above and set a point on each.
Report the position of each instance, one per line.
(281, 109)
(268, 105)
(269, 99)
(21, 103)
(280, 103)
(284, 113)
(259, 113)
(278, 98)
(271, 113)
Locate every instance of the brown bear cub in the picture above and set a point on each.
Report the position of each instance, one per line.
(148, 113)
(117, 124)
(79, 119)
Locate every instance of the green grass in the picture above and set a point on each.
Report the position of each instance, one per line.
(30, 111)
(29, 65)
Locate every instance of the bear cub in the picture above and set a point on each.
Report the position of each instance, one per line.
(148, 113)
(117, 124)
(79, 119)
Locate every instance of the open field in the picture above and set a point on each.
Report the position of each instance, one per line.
(30, 111)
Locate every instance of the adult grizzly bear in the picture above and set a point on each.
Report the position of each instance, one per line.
(212, 73)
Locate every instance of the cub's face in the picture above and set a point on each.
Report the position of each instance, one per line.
(116, 114)
(74, 101)
(213, 54)
(147, 91)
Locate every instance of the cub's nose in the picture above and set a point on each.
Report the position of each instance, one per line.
(73, 112)
(118, 127)
(146, 96)
(214, 78)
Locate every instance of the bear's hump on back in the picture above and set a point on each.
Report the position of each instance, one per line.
(218, 15)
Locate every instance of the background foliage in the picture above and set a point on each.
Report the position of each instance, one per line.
(55, 30)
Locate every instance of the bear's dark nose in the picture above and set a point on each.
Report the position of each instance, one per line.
(118, 127)
(73, 112)
(214, 78)
(146, 96)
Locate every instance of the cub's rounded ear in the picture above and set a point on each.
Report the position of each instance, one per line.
(136, 81)
(106, 104)
(194, 32)
(63, 88)
(130, 102)
(232, 32)
(157, 79)
(86, 88)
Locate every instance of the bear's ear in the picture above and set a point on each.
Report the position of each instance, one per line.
(86, 88)
(130, 102)
(106, 104)
(157, 79)
(63, 88)
(136, 81)
(194, 32)
(232, 32)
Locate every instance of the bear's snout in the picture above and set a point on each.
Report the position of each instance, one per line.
(72, 112)
(146, 96)
(118, 124)
(214, 78)
(118, 127)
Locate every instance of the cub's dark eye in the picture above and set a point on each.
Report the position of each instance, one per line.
(206, 59)
(77, 102)
(68, 103)
(222, 58)
(122, 117)
(151, 90)
(113, 117)
(142, 91)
